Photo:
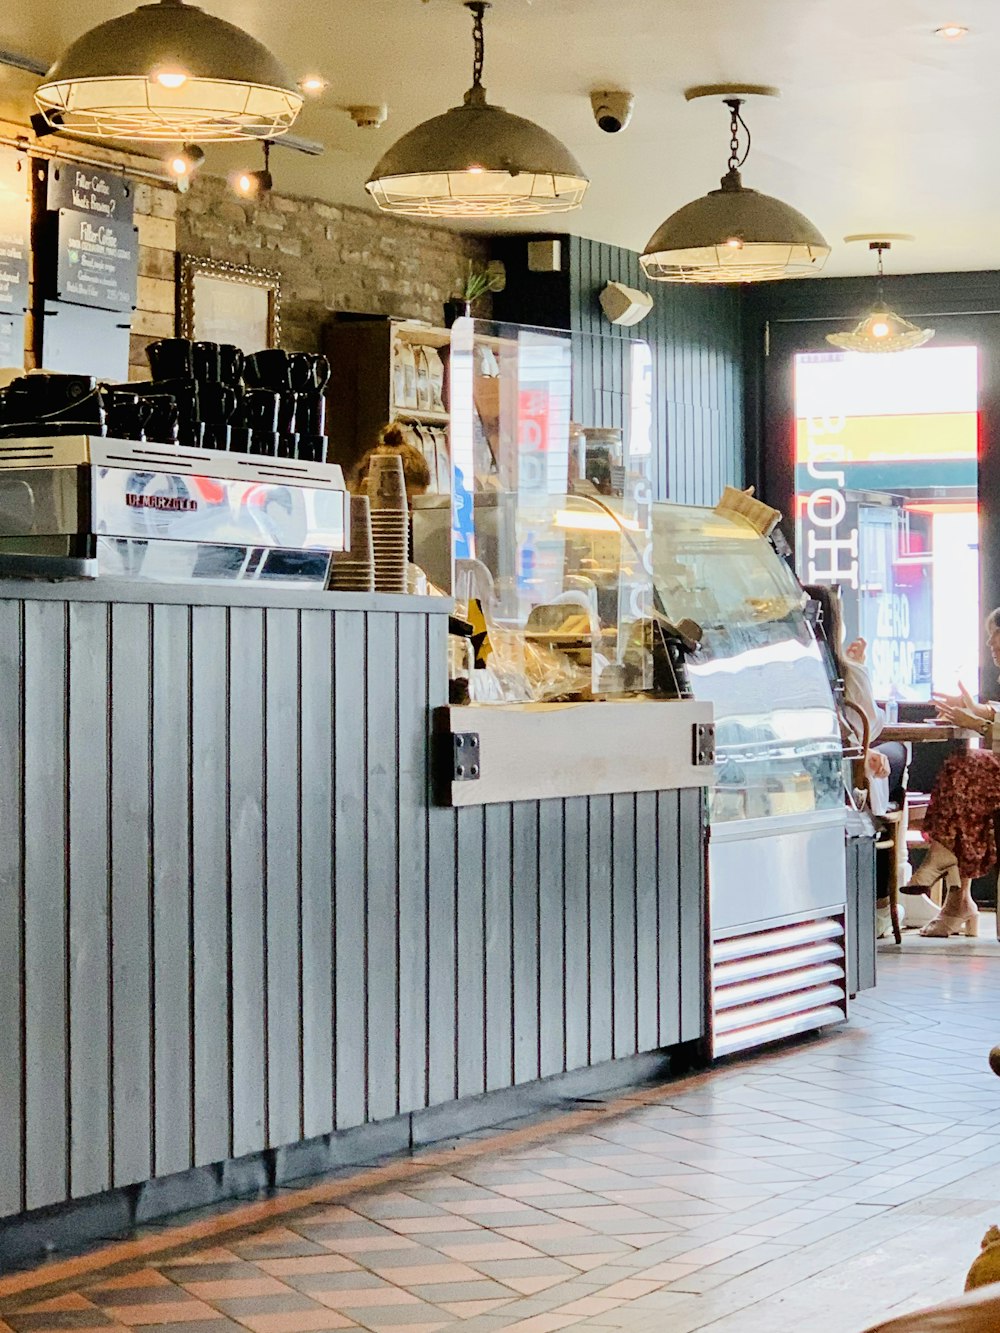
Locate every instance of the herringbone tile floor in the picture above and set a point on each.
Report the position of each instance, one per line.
(821, 1187)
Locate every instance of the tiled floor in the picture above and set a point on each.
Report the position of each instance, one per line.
(819, 1188)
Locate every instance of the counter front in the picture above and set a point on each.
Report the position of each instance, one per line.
(238, 941)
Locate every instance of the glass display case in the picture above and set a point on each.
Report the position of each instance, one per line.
(778, 747)
(552, 506)
(776, 858)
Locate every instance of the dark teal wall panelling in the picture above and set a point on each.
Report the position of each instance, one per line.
(695, 337)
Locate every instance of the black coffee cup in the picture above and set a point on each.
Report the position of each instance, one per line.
(263, 442)
(259, 410)
(287, 406)
(171, 358)
(206, 361)
(267, 369)
(230, 363)
(312, 449)
(162, 424)
(310, 413)
(217, 401)
(191, 434)
(288, 445)
(321, 372)
(239, 439)
(216, 435)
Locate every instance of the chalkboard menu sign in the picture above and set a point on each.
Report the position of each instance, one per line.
(15, 235)
(97, 250)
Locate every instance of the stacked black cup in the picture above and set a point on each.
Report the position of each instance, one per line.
(270, 403)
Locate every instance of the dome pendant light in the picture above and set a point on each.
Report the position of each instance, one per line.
(168, 71)
(881, 330)
(734, 234)
(477, 161)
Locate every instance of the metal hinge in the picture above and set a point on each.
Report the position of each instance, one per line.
(465, 756)
(704, 744)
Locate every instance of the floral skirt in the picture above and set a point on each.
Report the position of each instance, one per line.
(964, 801)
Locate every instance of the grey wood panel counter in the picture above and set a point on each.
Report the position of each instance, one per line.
(231, 920)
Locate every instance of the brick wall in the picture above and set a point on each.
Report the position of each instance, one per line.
(330, 258)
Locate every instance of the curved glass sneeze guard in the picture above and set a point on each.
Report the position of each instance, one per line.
(552, 494)
(777, 736)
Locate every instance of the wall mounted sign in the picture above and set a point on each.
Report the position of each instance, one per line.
(15, 233)
(229, 303)
(97, 249)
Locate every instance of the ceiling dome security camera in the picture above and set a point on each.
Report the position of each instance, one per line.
(612, 110)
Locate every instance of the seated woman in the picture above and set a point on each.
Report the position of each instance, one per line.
(966, 797)
(884, 760)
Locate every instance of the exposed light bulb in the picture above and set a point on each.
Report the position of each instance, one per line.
(734, 243)
(313, 84)
(179, 166)
(170, 78)
(245, 183)
(880, 329)
(475, 171)
(186, 161)
(951, 32)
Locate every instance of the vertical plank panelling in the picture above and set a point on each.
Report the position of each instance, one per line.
(576, 931)
(382, 866)
(499, 952)
(283, 907)
(45, 1110)
(551, 961)
(247, 878)
(209, 945)
(316, 799)
(623, 926)
(413, 728)
(524, 863)
(131, 894)
(599, 867)
(350, 834)
(646, 923)
(693, 908)
(669, 923)
(171, 861)
(89, 1017)
(471, 953)
(441, 999)
(11, 907)
(694, 336)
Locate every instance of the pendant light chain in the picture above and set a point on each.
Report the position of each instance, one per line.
(879, 247)
(478, 8)
(736, 122)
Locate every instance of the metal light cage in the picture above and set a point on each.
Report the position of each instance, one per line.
(106, 84)
(477, 161)
(734, 234)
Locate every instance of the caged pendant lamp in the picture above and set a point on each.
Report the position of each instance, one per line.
(168, 71)
(734, 234)
(477, 160)
(881, 330)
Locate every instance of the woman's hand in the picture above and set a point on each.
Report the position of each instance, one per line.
(855, 652)
(948, 704)
(876, 764)
(963, 717)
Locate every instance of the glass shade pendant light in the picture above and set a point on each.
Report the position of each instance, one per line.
(168, 71)
(881, 330)
(477, 160)
(734, 234)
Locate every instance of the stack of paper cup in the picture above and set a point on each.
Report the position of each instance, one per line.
(354, 570)
(390, 521)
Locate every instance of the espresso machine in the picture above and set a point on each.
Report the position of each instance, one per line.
(86, 506)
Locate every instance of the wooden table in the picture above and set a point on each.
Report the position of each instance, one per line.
(923, 731)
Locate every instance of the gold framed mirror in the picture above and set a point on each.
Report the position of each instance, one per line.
(229, 303)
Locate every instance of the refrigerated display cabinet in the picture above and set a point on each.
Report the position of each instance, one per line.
(777, 873)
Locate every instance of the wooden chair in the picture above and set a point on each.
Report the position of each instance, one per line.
(891, 827)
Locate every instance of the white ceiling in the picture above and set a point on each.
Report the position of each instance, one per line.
(881, 125)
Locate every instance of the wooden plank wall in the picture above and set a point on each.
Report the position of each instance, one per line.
(229, 919)
(695, 337)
